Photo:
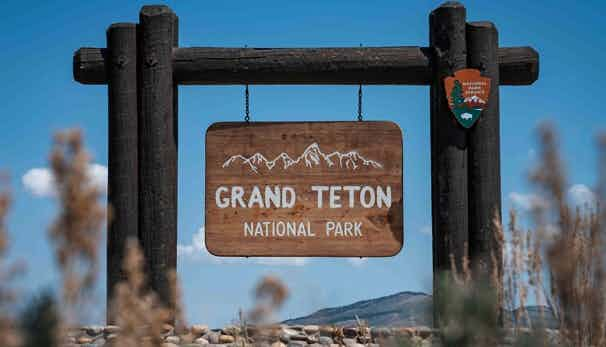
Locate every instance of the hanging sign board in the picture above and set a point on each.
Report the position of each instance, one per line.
(330, 189)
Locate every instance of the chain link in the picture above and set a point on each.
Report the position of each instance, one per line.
(246, 105)
(360, 118)
(246, 101)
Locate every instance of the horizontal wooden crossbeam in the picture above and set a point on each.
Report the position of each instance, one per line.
(366, 65)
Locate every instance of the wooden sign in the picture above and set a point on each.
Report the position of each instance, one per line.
(304, 189)
(467, 94)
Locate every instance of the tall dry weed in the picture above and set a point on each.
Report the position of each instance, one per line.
(137, 311)
(9, 334)
(562, 254)
(270, 294)
(77, 230)
(571, 240)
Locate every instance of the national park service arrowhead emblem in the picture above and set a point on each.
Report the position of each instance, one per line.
(467, 93)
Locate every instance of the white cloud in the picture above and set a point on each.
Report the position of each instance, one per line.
(196, 251)
(357, 261)
(41, 183)
(581, 195)
(526, 202)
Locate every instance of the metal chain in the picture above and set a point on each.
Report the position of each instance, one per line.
(360, 100)
(246, 101)
(360, 103)
(246, 105)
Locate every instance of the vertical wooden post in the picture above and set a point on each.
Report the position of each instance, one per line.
(448, 146)
(484, 157)
(122, 138)
(157, 147)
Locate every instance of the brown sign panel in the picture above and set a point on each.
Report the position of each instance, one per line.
(330, 189)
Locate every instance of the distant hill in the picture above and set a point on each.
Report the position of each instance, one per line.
(401, 309)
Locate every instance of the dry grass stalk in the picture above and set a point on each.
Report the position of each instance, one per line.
(567, 242)
(496, 276)
(270, 294)
(9, 334)
(574, 252)
(177, 302)
(77, 229)
(138, 313)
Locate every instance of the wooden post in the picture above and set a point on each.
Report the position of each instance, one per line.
(484, 157)
(122, 140)
(157, 147)
(448, 147)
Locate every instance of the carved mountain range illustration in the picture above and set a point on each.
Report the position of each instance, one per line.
(312, 156)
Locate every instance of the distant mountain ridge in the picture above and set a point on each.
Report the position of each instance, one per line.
(401, 309)
(311, 156)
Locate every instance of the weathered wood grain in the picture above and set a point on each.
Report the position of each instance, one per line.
(382, 228)
(484, 159)
(448, 147)
(157, 148)
(122, 151)
(369, 65)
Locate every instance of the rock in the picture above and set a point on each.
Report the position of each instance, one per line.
(111, 337)
(364, 339)
(84, 339)
(297, 327)
(231, 330)
(424, 332)
(278, 344)
(289, 331)
(93, 330)
(111, 329)
(350, 332)
(313, 338)
(406, 332)
(167, 328)
(226, 339)
(172, 339)
(187, 338)
(297, 344)
(190, 345)
(213, 337)
(201, 341)
(199, 330)
(300, 337)
(327, 330)
(311, 329)
(99, 342)
(168, 344)
(380, 332)
(325, 340)
(349, 342)
(68, 339)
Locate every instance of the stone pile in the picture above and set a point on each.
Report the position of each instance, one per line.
(267, 336)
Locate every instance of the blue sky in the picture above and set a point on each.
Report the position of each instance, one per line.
(40, 97)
